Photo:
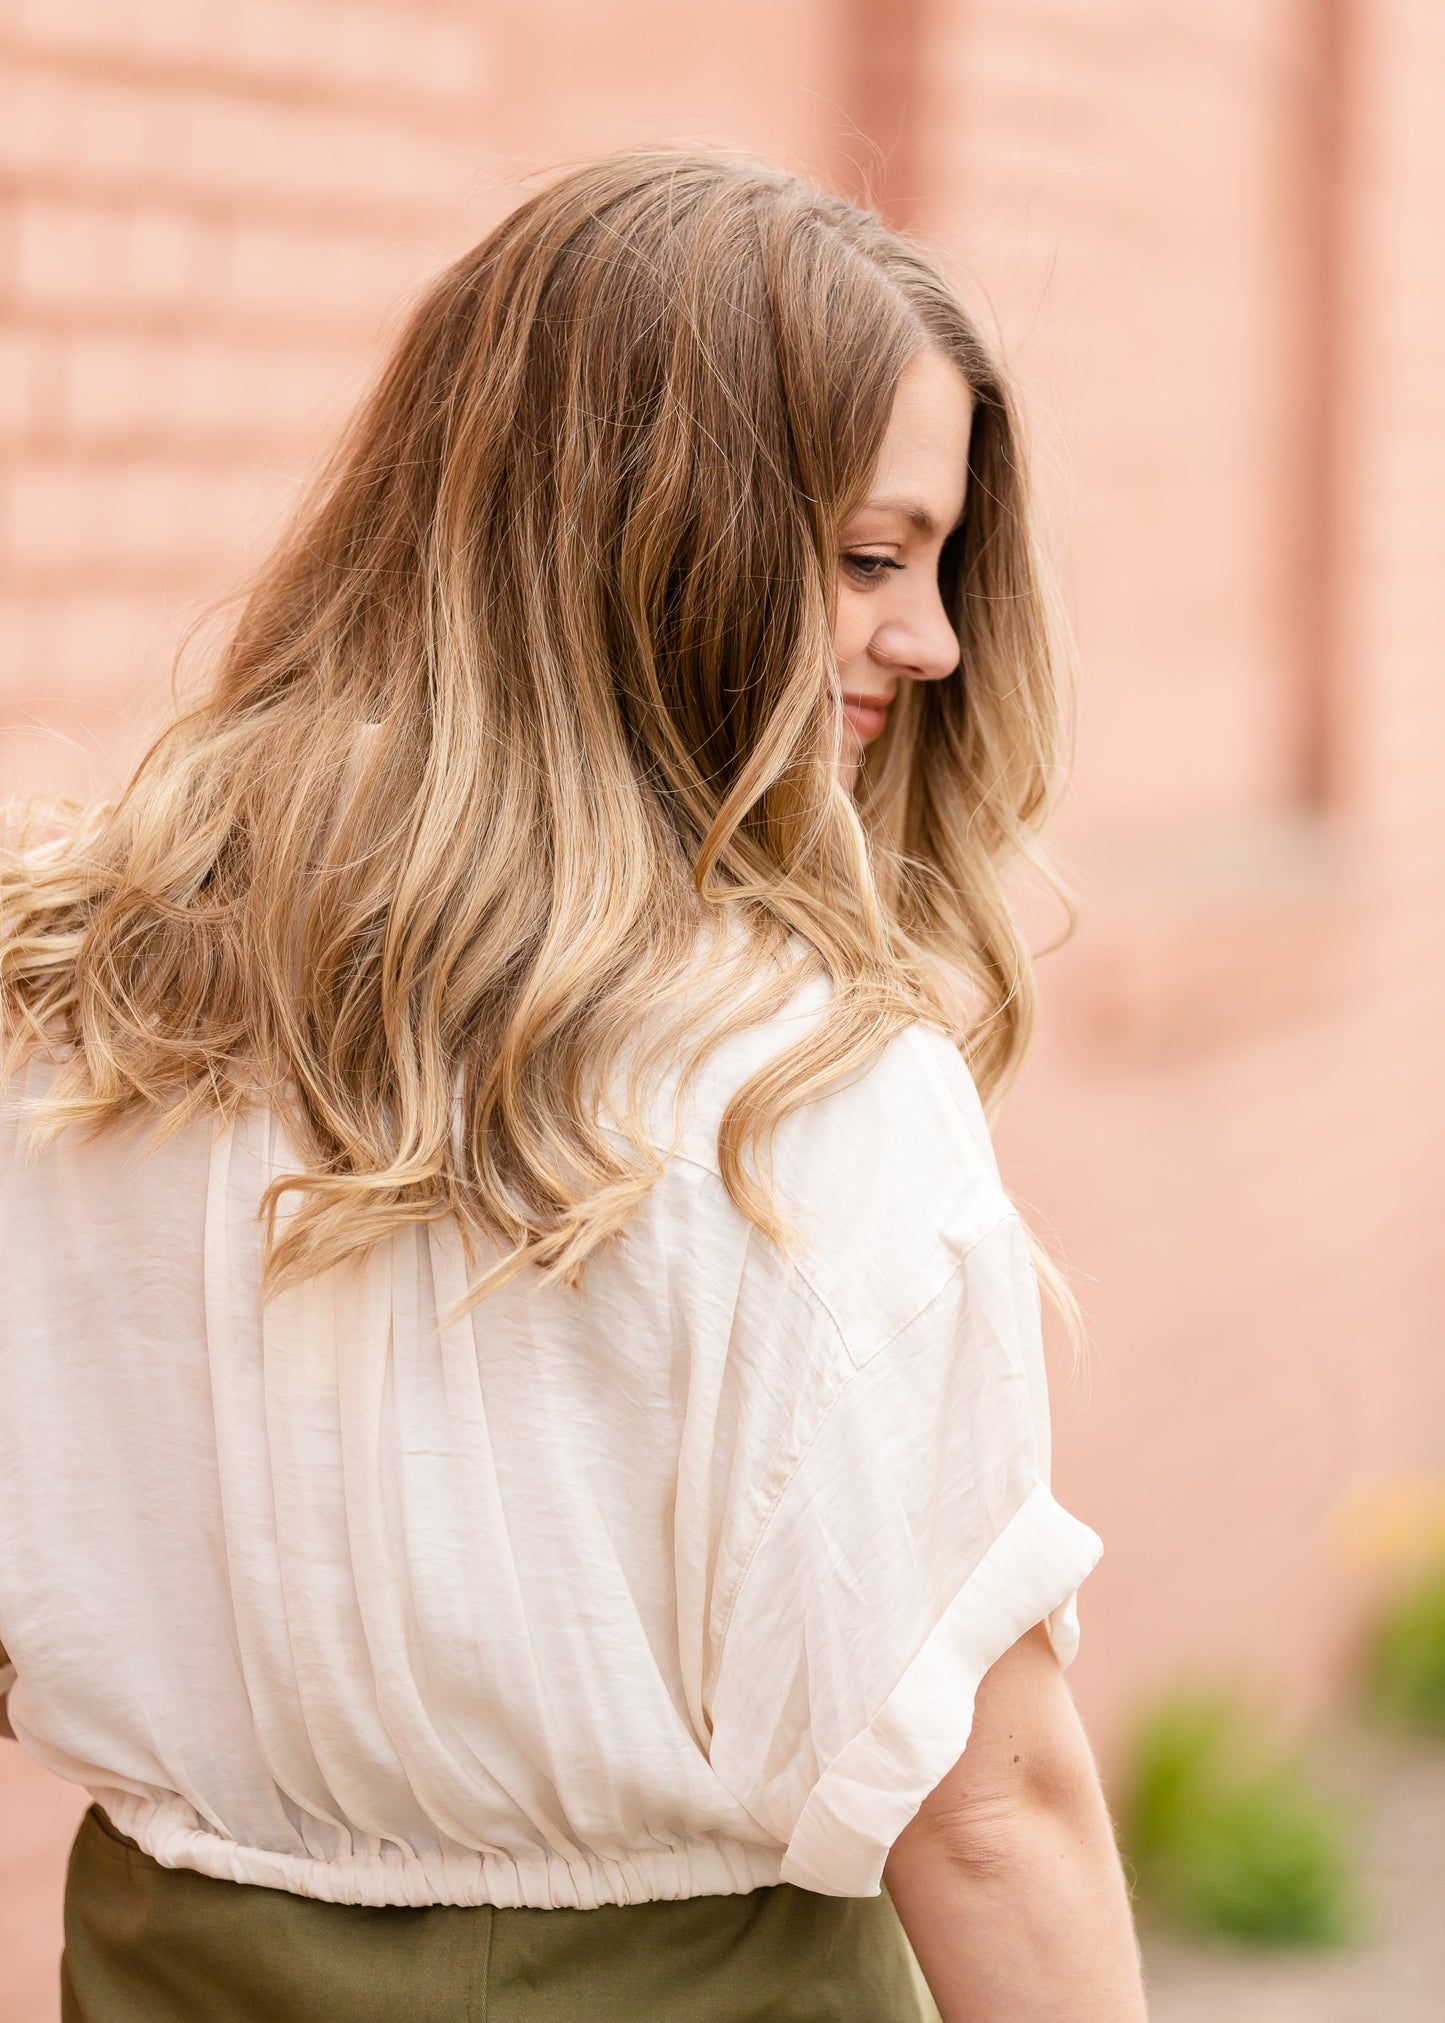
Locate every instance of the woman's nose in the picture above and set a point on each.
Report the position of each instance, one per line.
(923, 646)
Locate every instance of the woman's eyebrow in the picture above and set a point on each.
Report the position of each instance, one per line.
(910, 509)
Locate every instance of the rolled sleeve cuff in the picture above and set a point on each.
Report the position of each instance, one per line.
(875, 1785)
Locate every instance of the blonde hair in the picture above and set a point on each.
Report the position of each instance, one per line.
(536, 690)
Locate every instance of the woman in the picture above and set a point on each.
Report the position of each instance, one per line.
(523, 1478)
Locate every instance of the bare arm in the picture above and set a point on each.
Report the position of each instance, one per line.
(1008, 1881)
(7, 1733)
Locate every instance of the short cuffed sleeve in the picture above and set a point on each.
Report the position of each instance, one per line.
(915, 1541)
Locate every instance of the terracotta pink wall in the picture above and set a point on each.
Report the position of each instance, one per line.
(1208, 238)
(213, 217)
(1208, 234)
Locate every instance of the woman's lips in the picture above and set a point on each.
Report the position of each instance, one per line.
(866, 714)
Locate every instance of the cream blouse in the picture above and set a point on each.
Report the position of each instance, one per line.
(678, 1587)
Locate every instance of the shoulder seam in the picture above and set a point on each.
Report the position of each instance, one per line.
(1007, 1214)
(800, 1271)
(852, 1372)
(790, 1264)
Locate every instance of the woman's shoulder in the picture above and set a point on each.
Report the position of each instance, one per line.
(888, 1175)
(892, 1180)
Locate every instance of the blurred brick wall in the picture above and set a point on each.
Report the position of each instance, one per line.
(209, 213)
(211, 216)
(1211, 238)
(1208, 240)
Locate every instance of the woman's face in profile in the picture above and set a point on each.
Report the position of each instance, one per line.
(891, 625)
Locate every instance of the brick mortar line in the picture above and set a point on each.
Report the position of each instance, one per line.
(281, 343)
(174, 600)
(185, 450)
(292, 343)
(242, 85)
(217, 570)
(239, 324)
(213, 587)
(121, 195)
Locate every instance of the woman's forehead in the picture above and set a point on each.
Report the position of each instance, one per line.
(922, 469)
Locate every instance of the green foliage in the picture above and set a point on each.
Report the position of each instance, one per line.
(1228, 1840)
(1405, 1674)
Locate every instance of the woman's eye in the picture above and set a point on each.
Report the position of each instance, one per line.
(868, 568)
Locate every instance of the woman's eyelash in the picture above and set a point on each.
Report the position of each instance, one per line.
(869, 567)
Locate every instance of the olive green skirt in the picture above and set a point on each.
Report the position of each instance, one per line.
(147, 1944)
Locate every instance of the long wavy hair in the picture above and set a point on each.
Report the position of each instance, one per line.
(534, 699)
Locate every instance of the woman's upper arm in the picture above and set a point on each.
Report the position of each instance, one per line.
(1026, 1752)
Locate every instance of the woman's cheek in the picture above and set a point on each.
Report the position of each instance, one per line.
(851, 626)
